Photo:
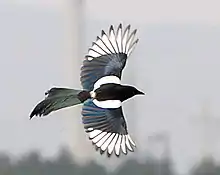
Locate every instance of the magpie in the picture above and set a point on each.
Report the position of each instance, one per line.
(102, 93)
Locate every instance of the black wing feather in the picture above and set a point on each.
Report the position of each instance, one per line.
(107, 121)
(107, 56)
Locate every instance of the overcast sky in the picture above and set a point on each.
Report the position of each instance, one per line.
(140, 10)
(176, 64)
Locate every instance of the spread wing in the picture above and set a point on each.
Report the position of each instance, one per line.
(108, 55)
(107, 129)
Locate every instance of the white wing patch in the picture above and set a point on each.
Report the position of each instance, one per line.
(119, 38)
(113, 43)
(94, 53)
(94, 133)
(110, 142)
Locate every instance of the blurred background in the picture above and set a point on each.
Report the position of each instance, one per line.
(176, 63)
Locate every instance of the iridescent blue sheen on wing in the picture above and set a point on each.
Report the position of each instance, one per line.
(99, 67)
(109, 120)
(107, 55)
(107, 129)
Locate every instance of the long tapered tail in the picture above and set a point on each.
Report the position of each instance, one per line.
(58, 98)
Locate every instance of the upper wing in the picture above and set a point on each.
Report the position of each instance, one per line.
(107, 128)
(108, 55)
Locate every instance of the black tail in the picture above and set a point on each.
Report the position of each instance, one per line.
(58, 98)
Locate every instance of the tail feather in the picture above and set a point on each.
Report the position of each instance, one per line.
(60, 92)
(58, 98)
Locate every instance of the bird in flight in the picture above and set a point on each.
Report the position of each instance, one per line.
(102, 93)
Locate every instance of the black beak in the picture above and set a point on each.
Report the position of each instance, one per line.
(141, 93)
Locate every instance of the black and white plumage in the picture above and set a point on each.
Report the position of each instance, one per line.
(108, 55)
(102, 93)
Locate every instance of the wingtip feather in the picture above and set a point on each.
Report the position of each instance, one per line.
(120, 26)
(115, 42)
(102, 32)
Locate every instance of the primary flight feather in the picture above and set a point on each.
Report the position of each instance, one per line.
(102, 93)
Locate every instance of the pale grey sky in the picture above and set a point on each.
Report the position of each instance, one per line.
(176, 63)
(157, 11)
(139, 10)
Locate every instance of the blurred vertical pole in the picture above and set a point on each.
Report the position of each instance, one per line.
(205, 122)
(81, 27)
(160, 149)
(75, 137)
(210, 127)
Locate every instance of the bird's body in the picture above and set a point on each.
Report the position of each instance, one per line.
(102, 93)
(111, 91)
